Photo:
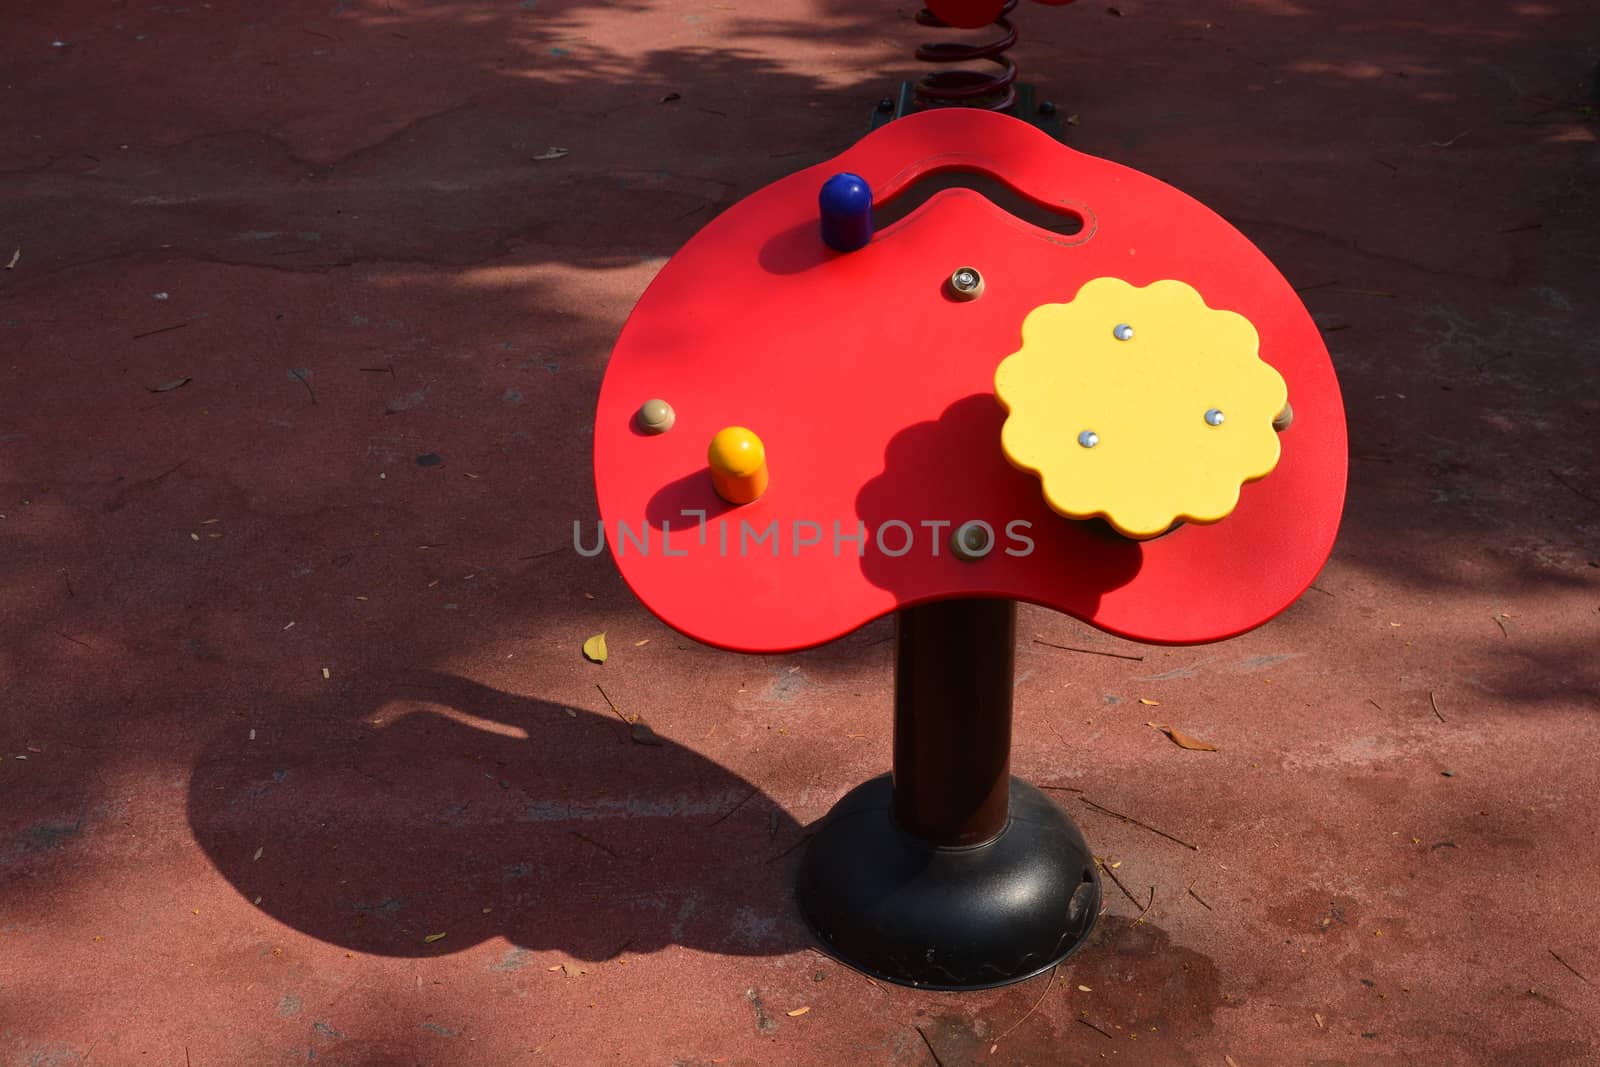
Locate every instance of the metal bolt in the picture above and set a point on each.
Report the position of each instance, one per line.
(1123, 332)
(1214, 417)
(1284, 419)
(1047, 107)
(972, 540)
(966, 283)
(1088, 439)
(886, 104)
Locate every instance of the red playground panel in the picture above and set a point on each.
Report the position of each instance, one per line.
(870, 383)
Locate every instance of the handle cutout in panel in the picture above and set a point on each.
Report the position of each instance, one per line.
(1059, 219)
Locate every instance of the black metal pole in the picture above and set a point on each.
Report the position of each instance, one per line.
(952, 720)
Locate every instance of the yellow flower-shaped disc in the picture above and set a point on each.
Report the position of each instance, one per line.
(1141, 406)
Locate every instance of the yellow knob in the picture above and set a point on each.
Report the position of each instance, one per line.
(738, 465)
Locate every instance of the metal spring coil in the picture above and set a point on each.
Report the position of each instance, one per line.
(969, 88)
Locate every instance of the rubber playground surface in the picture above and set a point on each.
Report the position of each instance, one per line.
(301, 337)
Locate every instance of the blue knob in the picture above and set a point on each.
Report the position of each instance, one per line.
(846, 206)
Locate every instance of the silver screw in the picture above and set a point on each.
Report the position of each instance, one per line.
(1214, 417)
(1088, 439)
(966, 283)
(1123, 332)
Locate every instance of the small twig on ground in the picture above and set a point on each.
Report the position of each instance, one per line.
(1434, 700)
(1451, 141)
(1147, 907)
(1061, 788)
(1047, 987)
(803, 839)
(1143, 825)
(1086, 651)
(1321, 590)
(1569, 966)
(1196, 896)
(1104, 866)
(1574, 488)
(1375, 704)
(592, 841)
(873, 982)
(925, 1041)
(746, 799)
(1093, 1027)
(66, 577)
(305, 382)
(164, 329)
(612, 706)
(1052, 727)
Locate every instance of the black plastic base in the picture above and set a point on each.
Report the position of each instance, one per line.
(898, 909)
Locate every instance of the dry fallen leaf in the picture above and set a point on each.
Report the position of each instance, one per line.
(167, 387)
(431, 938)
(325, 673)
(1085, 989)
(594, 649)
(553, 153)
(797, 1011)
(1317, 1017)
(641, 644)
(1183, 740)
(15, 258)
(1150, 703)
(259, 851)
(1230, 1061)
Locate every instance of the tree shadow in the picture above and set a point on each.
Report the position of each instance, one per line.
(940, 471)
(382, 818)
(289, 171)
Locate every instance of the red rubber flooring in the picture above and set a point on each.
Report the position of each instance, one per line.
(302, 762)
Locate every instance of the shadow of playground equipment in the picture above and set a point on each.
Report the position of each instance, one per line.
(441, 806)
